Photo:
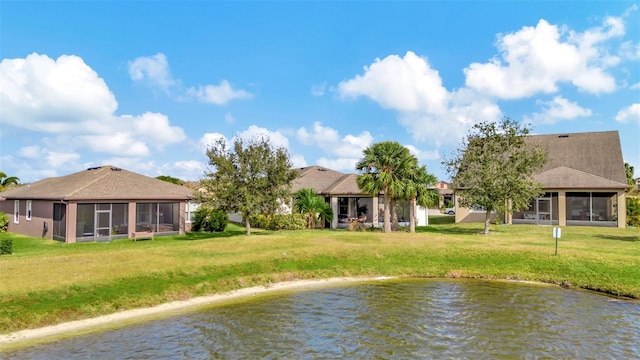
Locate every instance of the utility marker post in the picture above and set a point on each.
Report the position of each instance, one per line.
(557, 232)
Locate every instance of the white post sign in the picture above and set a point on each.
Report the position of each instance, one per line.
(557, 233)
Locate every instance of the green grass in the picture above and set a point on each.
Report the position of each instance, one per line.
(46, 282)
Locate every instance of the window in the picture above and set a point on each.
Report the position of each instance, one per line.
(190, 211)
(16, 211)
(29, 210)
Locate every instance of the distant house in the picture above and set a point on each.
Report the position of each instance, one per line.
(347, 201)
(584, 183)
(97, 204)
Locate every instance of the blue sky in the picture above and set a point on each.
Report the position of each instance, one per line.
(147, 85)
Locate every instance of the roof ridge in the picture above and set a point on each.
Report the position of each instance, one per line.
(339, 182)
(99, 169)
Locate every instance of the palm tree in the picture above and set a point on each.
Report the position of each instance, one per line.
(313, 206)
(6, 181)
(417, 191)
(384, 166)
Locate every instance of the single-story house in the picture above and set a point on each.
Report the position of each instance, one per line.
(584, 183)
(347, 200)
(97, 204)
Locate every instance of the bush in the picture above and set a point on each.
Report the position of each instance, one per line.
(633, 211)
(279, 221)
(6, 246)
(209, 220)
(4, 222)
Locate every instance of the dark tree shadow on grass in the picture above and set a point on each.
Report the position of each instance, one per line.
(452, 230)
(190, 236)
(631, 238)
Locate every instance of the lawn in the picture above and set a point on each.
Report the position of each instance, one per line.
(46, 282)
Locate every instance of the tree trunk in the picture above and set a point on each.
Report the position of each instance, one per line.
(387, 217)
(394, 215)
(247, 225)
(487, 221)
(412, 215)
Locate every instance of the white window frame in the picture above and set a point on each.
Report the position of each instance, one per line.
(28, 210)
(16, 211)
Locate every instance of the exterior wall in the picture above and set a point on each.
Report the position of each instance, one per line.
(72, 219)
(41, 213)
(464, 215)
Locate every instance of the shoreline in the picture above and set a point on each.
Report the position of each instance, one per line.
(50, 333)
(30, 337)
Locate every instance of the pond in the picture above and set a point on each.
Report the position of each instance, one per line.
(407, 319)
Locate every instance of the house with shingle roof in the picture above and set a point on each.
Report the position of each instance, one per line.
(347, 200)
(97, 204)
(584, 182)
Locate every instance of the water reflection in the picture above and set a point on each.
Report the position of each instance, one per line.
(395, 319)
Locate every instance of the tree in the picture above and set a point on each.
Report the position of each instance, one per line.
(629, 170)
(170, 179)
(251, 177)
(494, 168)
(384, 165)
(416, 190)
(313, 206)
(7, 181)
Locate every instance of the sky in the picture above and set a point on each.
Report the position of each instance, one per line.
(148, 86)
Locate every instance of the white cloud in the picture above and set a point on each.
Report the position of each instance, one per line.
(153, 70)
(209, 139)
(118, 143)
(329, 140)
(319, 89)
(30, 152)
(67, 98)
(186, 170)
(276, 138)
(218, 94)
(229, 119)
(629, 114)
(557, 110)
(635, 86)
(404, 84)
(536, 59)
(426, 109)
(63, 95)
(298, 161)
(340, 164)
(57, 159)
(423, 155)
(155, 127)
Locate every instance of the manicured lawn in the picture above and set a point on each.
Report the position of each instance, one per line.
(46, 282)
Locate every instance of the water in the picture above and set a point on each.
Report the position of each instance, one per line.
(400, 319)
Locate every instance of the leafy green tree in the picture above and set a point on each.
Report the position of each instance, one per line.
(170, 179)
(7, 181)
(384, 166)
(312, 205)
(249, 177)
(629, 170)
(494, 168)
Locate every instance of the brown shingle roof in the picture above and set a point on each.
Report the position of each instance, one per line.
(100, 183)
(326, 181)
(580, 160)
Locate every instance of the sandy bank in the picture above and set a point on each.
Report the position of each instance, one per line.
(54, 332)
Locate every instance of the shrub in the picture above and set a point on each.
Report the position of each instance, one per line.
(6, 246)
(633, 211)
(4, 222)
(209, 220)
(279, 221)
